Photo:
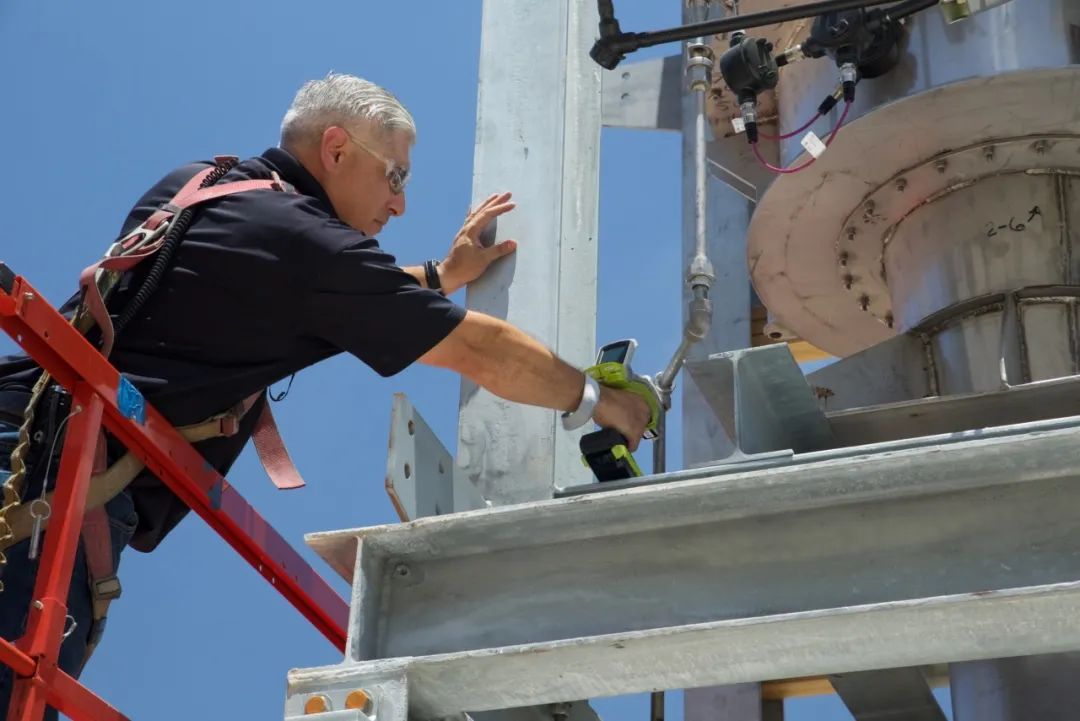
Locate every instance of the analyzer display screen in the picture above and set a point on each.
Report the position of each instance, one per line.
(614, 353)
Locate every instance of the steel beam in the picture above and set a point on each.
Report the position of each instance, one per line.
(969, 625)
(763, 400)
(537, 134)
(645, 95)
(898, 694)
(928, 554)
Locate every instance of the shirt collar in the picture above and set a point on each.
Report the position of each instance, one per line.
(295, 174)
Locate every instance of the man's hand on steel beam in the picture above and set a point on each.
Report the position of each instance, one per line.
(468, 258)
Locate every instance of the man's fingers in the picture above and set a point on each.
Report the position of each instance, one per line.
(493, 198)
(485, 215)
(500, 249)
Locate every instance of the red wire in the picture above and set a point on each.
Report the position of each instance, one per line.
(793, 133)
(808, 163)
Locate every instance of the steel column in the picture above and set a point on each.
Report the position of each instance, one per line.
(1016, 689)
(537, 134)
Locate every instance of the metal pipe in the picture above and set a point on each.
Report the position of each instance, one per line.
(700, 274)
(612, 48)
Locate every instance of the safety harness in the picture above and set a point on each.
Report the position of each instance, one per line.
(163, 230)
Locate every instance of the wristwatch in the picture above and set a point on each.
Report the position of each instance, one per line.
(576, 419)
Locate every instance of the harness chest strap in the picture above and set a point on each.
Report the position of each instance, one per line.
(147, 239)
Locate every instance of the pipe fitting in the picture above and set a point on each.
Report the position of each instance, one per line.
(700, 273)
(699, 315)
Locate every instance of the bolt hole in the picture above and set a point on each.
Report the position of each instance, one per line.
(776, 335)
(441, 469)
(46, 334)
(408, 471)
(624, 96)
(626, 76)
(412, 428)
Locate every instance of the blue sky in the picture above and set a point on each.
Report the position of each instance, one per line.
(101, 99)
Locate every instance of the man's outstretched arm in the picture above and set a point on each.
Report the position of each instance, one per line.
(497, 356)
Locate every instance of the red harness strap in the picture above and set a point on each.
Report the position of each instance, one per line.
(147, 238)
(273, 454)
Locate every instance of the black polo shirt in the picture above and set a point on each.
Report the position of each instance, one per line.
(263, 285)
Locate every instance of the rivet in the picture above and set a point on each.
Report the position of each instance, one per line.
(889, 320)
(851, 233)
(401, 570)
(27, 296)
(901, 184)
(849, 280)
(988, 152)
(870, 206)
(941, 164)
(39, 605)
(844, 258)
(864, 301)
(1041, 146)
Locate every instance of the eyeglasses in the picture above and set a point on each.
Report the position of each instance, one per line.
(396, 175)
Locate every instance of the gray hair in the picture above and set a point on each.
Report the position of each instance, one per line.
(344, 101)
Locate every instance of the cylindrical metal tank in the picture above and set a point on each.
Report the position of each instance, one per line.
(945, 207)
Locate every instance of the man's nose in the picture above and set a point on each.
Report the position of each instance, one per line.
(396, 206)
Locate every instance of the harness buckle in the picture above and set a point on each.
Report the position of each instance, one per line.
(142, 235)
(106, 589)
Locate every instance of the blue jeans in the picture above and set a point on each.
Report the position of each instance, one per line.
(19, 574)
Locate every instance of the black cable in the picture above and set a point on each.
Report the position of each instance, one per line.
(609, 51)
(177, 229)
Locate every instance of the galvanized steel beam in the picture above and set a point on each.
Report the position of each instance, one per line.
(923, 555)
(538, 135)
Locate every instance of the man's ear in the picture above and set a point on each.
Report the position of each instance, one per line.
(332, 147)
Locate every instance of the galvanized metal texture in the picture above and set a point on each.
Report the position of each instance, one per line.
(811, 544)
(421, 477)
(550, 97)
(964, 626)
(762, 398)
(949, 414)
(899, 694)
(646, 95)
(1016, 689)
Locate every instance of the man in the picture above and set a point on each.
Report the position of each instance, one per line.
(266, 283)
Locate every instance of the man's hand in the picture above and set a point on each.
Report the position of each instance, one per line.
(467, 259)
(626, 412)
